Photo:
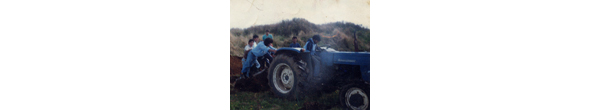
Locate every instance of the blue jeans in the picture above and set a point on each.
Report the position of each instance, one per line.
(255, 63)
(250, 59)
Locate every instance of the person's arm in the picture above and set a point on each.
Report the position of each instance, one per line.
(246, 53)
(272, 49)
(307, 47)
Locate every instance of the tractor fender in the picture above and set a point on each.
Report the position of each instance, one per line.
(287, 50)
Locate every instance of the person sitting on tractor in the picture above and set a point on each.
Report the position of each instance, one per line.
(311, 46)
(262, 49)
(295, 42)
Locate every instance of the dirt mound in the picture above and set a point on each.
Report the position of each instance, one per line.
(255, 84)
(235, 67)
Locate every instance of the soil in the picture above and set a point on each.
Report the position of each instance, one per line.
(314, 106)
(236, 65)
(254, 84)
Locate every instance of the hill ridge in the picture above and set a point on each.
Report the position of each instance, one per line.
(339, 35)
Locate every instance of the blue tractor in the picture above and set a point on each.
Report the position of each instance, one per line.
(292, 75)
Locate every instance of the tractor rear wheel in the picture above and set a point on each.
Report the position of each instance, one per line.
(284, 77)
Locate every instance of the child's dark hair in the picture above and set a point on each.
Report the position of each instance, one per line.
(251, 40)
(316, 37)
(254, 36)
(294, 38)
(268, 41)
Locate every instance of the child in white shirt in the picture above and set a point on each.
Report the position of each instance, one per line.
(248, 48)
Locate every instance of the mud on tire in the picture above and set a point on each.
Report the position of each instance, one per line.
(284, 78)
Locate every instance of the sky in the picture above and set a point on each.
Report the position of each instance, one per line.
(246, 13)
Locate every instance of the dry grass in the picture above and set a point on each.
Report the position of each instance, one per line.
(338, 41)
(338, 35)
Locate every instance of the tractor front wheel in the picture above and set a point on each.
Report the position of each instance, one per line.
(355, 97)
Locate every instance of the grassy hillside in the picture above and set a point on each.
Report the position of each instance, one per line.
(339, 35)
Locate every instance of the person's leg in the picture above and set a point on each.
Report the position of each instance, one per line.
(316, 63)
(248, 63)
(257, 64)
(309, 65)
(260, 60)
(270, 58)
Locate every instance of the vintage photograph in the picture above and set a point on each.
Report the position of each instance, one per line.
(308, 55)
(299, 55)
